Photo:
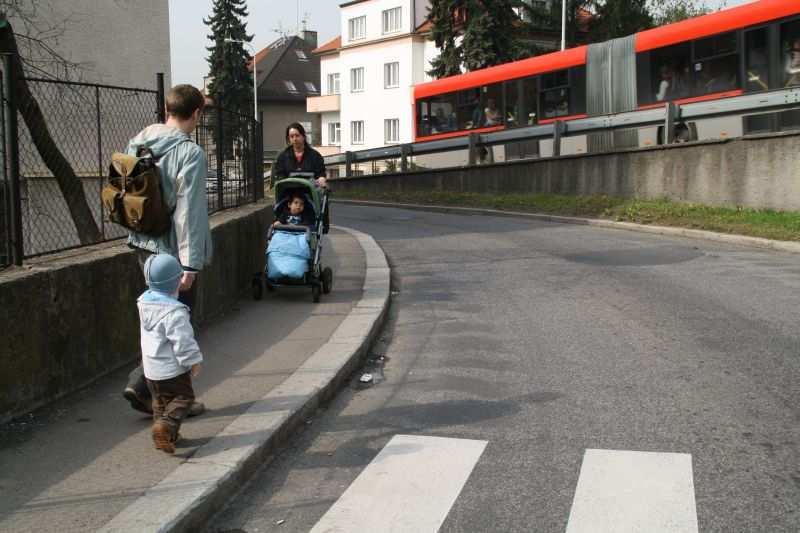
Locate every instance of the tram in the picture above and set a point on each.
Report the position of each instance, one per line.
(750, 48)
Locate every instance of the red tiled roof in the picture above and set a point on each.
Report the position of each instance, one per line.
(259, 56)
(333, 44)
(424, 27)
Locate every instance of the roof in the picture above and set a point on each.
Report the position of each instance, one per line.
(331, 46)
(281, 62)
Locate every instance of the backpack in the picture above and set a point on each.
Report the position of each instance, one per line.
(133, 197)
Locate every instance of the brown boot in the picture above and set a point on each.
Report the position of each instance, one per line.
(162, 437)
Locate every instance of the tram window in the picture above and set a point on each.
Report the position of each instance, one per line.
(644, 91)
(423, 118)
(442, 113)
(521, 102)
(480, 107)
(666, 75)
(513, 90)
(756, 53)
(493, 105)
(790, 53)
(554, 94)
(716, 75)
(577, 84)
(469, 106)
(553, 80)
(715, 46)
(716, 64)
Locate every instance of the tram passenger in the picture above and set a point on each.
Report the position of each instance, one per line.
(491, 113)
(792, 64)
(665, 86)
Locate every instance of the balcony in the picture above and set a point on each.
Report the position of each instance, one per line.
(323, 104)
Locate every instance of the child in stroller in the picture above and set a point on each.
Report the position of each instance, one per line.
(294, 241)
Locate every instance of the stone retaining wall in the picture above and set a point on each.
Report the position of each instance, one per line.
(70, 318)
(756, 172)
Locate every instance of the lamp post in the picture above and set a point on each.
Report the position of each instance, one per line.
(255, 75)
(563, 24)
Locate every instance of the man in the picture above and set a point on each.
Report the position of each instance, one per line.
(183, 168)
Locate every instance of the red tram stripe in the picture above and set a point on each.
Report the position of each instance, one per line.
(714, 23)
(507, 71)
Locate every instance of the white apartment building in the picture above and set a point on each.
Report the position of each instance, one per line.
(368, 73)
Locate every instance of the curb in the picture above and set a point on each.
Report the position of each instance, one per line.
(189, 496)
(741, 240)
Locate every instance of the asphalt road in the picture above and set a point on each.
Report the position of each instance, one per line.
(547, 340)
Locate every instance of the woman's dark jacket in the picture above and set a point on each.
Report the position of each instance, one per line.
(286, 163)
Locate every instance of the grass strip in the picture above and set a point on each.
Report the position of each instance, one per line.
(765, 223)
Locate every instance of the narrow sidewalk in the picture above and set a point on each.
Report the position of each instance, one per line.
(77, 465)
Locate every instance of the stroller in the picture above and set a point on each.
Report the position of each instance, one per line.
(293, 251)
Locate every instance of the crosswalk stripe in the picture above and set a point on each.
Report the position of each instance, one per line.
(627, 491)
(409, 486)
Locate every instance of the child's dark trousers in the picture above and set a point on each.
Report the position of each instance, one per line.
(171, 400)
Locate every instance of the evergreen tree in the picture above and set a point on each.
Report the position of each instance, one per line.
(493, 34)
(669, 11)
(618, 18)
(446, 16)
(231, 84)
(490, 32)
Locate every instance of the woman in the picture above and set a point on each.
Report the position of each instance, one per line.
(300, 157)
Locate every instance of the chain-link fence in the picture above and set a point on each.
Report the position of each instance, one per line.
(65, 134)
(233, 145)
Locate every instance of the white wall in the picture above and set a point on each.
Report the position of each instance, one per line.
(373, 11)
(375, 103)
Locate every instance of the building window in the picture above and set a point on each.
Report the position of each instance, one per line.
(357, 27)
(356, 79)
(333, 83)
(392, 20)
(357, 132)
(310, 87)
(391, 75)
(290, 86)
(334, 133)
(301, 55)
(391, 130)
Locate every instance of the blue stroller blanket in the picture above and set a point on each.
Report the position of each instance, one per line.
(287, 255)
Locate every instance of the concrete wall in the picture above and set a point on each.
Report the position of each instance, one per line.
(71, 318)
(756, 172)
(124, 42)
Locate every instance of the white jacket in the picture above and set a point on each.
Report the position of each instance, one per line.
(169, 348)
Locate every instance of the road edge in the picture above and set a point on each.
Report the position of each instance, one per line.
(727, 238)
(190, 495)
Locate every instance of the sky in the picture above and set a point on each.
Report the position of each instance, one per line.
(188, 34)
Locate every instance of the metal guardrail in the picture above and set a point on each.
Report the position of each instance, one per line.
(667, 115)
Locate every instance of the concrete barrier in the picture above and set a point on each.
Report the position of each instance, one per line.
(755, 172)
(70, 318)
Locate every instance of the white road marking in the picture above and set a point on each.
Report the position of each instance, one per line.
(632, 492)
(410, 486)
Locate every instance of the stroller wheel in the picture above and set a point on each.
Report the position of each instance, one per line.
(316, 291)
(258, 288)
(327, 280)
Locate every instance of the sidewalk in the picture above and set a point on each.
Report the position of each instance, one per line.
(89, 463)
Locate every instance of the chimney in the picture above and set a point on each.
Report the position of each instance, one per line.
(310, 37)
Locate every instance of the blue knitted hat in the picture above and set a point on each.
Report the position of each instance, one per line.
(162, 272)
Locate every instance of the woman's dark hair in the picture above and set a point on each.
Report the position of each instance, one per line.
(300, 129)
